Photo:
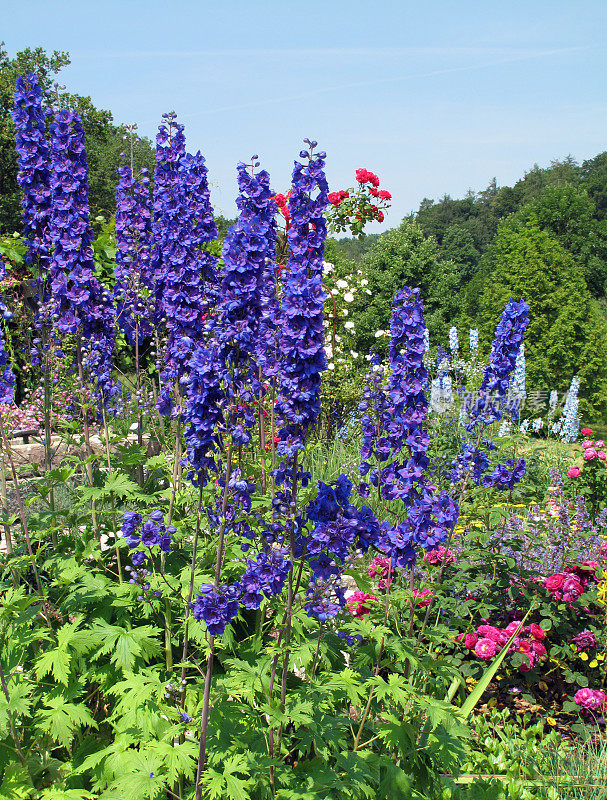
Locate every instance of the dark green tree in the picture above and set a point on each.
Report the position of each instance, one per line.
(567, 334)
(458, 246)
(405, 257)
(104, 139)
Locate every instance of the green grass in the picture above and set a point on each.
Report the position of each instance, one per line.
(579, 770)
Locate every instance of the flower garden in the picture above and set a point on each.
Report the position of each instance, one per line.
(253, 561)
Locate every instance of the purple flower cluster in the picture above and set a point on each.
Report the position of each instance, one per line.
(148, 534)
(493, 390)
(7, 378)
(338, 528)
(81, 305)
(393, 425)
(33, 175)
(184, 274)
(301, 340)
(134, 280)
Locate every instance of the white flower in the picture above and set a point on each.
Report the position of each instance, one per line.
(364, 282)
(327, 267)
(368, 291)
(349, 325)
(331, 365)
(349, 297)
(334, 292)
(338, 338)
(329, 351)
(341, 285)
(378, 334)
(353, 354)
(345, 312)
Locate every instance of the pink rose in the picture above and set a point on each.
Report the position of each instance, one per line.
(470, 640)
(419, 595)
(485, 649)
(599, 443)
(586, 431)
(490, 632)
(591, 699)
(602, 455)
(538, 633)
(539, 650)
(587, 443)
(357, 601)
(590, 453)
(554, 582)
(572, 588)
(512, 627)
(573, 472)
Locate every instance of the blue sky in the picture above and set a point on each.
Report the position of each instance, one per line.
(435, 97)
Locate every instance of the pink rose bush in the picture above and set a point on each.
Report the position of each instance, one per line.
(488, 640)
(358, 603)
(590, 699)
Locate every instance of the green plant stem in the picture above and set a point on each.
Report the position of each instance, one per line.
(109, 468)
(204, 723)
(11, 721)
(184, 653)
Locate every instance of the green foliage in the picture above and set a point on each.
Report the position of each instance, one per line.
(566, 334)
(404, 257)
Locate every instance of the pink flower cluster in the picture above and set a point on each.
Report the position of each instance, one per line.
(593, 450)
(590, 699)
(380, 568)
(439, 555)
(584, 640)
(571, 583)
(358, 603)
(487, 640)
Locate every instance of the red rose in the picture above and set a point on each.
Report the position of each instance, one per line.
(539, 650)
(362, 176)
(385, 195)
(281, 200)
(586, 431)
(373, 192)
(380, 216)
(470, 640)
(335, 198)
(373, 179)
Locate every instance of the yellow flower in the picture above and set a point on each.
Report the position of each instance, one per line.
(551, 721)
(584, 656)
(601, 590)
(594, 663)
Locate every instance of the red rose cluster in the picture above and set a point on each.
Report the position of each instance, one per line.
(335, 198)
(487, 640)
(572, 582)
(359, 208)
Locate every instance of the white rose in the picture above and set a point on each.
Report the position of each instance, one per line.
(368, 291)
(341, 285)
(345, 312)
(349, 298)
(364, 282)
(353, 354)
(331, 365)
(378, 334)
(334, 292)
(349, 324)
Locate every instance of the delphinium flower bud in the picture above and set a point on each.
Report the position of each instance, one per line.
(7, 378)
(33, 175)
(301, 340)
(473, 341)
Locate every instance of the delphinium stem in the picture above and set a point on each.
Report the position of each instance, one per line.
(184, 653)
(48, 462)
(109, 469)
(21, 507)
(204, 724)
(87, 436)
